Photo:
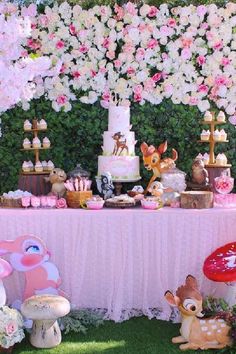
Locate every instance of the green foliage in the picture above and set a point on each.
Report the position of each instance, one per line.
(76, 136)
(79, 321)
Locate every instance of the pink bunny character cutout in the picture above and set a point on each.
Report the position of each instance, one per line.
(29, 254)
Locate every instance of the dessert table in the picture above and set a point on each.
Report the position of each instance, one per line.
(123, 260)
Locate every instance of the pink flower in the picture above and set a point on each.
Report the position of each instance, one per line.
(203, 88)
(103, 10)
(110, 54)
(221, 80)
(119, 12)
(225, 61)
(106, 43)
(218, 45)
(165, 31)
(157, 77)
(138, 89)
(60, 44)
(186, 42)
(209, 36)
(63, 68)
(103, 70)
(201, 60)
(171, 22)
(164, 56)
(140, 54)
(193, 101)
(131, 9)
(204, 25)
(149, 85)
(137, 97)
(186, 53)
(30, 11)
(117, 63)
(106, 96)
(130, 71)
(93, 73)
(10, 328)
(43, 20)
(61, 100)
(61, 203)
(153, 11)
(33, 44)
(76, 74)
(201, 10)
(83, 49)
(152, 43)
(33, 26)
(72, 29)
(51, 36)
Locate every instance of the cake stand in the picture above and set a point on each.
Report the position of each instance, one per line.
(118, 183)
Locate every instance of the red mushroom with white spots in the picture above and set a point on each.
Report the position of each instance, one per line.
(5, 270)
(220, 266)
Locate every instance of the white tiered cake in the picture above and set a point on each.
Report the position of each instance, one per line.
(119, 147)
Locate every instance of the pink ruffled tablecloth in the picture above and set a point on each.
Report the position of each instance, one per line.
(123, 260)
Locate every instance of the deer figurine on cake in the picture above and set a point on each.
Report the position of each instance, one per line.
(209, 333)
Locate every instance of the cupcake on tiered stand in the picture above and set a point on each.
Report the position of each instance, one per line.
(27, 125)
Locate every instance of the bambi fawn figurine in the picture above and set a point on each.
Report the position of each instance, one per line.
(153, 161)
(209, 333)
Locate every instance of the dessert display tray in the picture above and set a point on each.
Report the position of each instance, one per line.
(35, 173)
(215, 122)
(35, 130)
(32, 149)
(216, 166)
(215, 141)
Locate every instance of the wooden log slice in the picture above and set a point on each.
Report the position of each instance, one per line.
(196, 200)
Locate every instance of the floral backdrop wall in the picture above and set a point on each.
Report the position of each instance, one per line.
(153, 57)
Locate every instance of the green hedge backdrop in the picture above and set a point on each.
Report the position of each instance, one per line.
(76, 136)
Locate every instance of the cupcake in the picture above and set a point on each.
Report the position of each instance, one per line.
(205, 135)
(25, 166)
(31, 165)
(42, 124)
(217, 135)
(208, 116)
(46, 142)
(221, 117)
(36, 142)
(50, 165)
(38, 167)
(27, 125)
(26, 144)
(206, 158)
(223, 135)
(45, 165)
(221, 160)
(199, 156)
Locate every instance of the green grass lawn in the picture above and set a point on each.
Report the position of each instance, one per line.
(136, 336)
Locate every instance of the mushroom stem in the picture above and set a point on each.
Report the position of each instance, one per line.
(231, 294)
(2, 294)
(45, 334)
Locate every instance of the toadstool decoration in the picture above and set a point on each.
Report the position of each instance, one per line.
(44, 310)
(5, 270)
(220, 266)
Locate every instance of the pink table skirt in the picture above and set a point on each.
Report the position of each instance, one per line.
(123, 260)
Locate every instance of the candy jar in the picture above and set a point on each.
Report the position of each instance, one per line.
(224, 184)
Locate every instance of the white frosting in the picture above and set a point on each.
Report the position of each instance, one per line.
(208, 116)
(120, 167)
(26, 143)
(42, 124)
(16, 194)
(221, 117)
(118, 118)
(46, 142)
(50, 165)
(25, 166)
(221, 159)
(223, 134)
(109, 143)
(27, 125)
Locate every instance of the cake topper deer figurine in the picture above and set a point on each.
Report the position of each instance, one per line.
(153, 161)
(209, 333)
(120, 144)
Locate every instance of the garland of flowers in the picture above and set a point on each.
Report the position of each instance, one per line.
(141, 54)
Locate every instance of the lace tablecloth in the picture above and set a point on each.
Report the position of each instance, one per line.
(123, 261)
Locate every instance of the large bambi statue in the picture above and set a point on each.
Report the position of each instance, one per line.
(28, 254)
(209, 333)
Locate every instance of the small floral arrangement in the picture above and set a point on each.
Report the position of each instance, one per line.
(11, 327)
(61, 203)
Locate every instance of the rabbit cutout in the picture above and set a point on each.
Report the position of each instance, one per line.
(29, 254)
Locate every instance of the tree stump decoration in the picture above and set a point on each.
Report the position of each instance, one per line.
(196, 200)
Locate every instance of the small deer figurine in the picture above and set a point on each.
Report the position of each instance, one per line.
(119, 144)
(209, 333)
(153, 161)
